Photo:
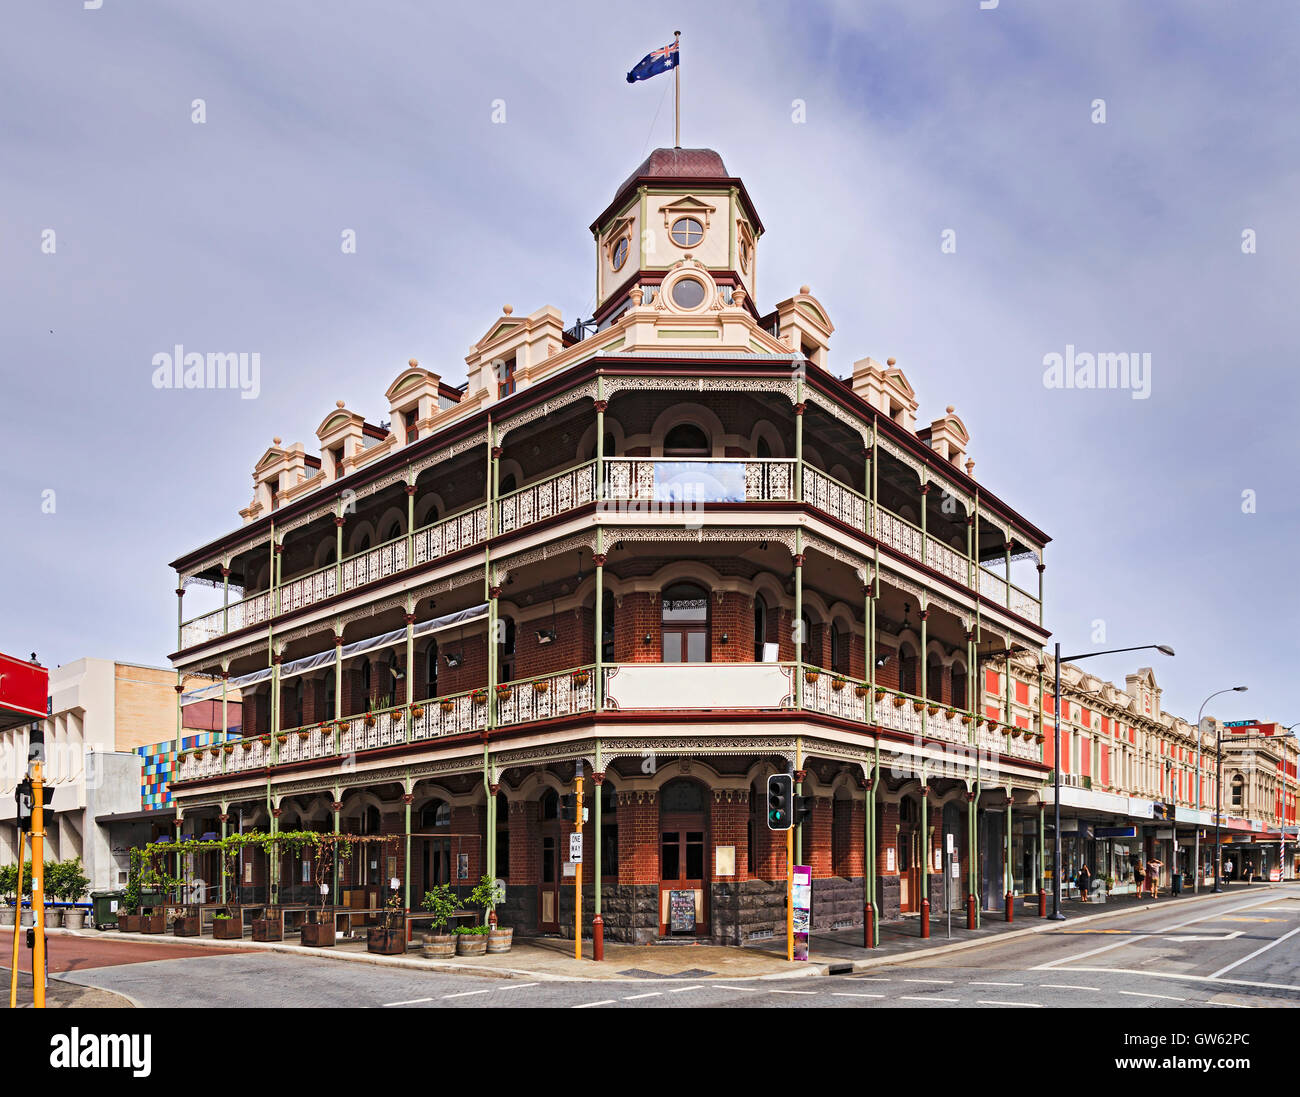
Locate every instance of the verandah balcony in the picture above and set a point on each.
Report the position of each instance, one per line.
(628, 687)
(650, 480)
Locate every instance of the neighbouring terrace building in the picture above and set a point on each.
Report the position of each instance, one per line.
(667, 551)
(110, 743)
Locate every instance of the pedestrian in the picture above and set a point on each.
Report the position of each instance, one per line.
(1250, 873)
(1153, 876)
(1227, 872)
(1084, 879)
(1140, 875)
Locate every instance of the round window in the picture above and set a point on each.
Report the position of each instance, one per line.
(686, 232)
(620, 254)
(688, 293)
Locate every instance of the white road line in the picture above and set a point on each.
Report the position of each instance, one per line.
(869, 979)
(1091, 952)
(1065, 986)
(588, 1005)
(1258, 951)
(1139, 994)
(408, 1002)
(1023, 1005)
(927, 981)
(743, 990)
(683, 990)
(792, 992)
(848, 994)
(636, 997)
(1193, 978)
(974, 984)
(518, 986)
(914, 998)
(469, 993)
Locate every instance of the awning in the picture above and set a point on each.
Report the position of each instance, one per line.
(459, 619)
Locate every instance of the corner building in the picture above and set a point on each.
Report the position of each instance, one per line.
(666, 548)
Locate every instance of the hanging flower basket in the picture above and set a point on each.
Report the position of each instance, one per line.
(265, 740)
(932, 709)
(215, 752)
(370, 719)
(282, 739)
(966, 718)
(862, 691)
(838, 684)
(880, 694)
(416, 712)
(541, 686)
(247, 744)
(305, 734)
(478, 696)
(342, 725)
(1038, 737)
(899, 702)
(504, 691)
(229, 750)
(918, 705)
(581, 677)
(811, 676)
(448, 706)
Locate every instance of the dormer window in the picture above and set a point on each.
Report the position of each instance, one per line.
(410, 420)
(336, 456)
(506, 379)
(686, 232)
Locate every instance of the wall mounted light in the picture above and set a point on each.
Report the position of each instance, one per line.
(454, 658)
(545, 635)
(646, 641)
(725, 638)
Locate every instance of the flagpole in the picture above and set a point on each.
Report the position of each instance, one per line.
(677, 91)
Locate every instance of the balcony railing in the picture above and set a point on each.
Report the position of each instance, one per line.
(755, 687)
(667, 481)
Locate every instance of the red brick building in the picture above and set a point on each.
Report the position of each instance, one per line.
(667, 550)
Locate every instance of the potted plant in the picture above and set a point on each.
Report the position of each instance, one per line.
(485, 895)
(541, 685)
(282, 738)
(504, 691)
(417, 711)
(370, 719)
(581, 678)
(966, 718)
(389, 937)
(933, 710)
(861, 691)
(188, 922)
(917, 706)
(478, 696)
(269, 927)
(53, 885)
(228, 925)
(73, 884)
(838, 683)
(471, 940)
(441, 903)
(304, 734)
(247, 744)
(811, 676)
(8, 894)
(214, 752)
(319, 931)
(1110, 885)
(899, 701)
(228, 749)
(447, 705)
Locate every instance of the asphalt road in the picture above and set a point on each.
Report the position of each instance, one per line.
(1237, 950)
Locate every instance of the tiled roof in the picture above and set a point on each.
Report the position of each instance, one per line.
(680, 164)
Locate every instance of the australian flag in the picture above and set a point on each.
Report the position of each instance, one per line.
(652, 64)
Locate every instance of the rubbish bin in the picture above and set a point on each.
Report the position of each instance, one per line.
(105, 905)
(1176, 884)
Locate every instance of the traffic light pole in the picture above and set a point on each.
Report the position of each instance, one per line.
(577, 879)
(789, 894)
(38, 886)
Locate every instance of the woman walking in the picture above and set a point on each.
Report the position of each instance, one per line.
(1153, 876)
(1140, 875)
(1084, 879)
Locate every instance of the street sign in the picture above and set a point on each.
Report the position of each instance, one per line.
(575, 848)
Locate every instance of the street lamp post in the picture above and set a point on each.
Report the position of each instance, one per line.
(1200, 734)
(1164, 649)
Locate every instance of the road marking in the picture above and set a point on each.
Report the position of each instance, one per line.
(1023, 1005)
(408, 1002)
(636, 997)
(683, 990)
(913, 998)
(1091, 952)
(1208, 937)
(743, 990)
(518, 986)
(1193, 978)
(1257, 952)
(927, 980)
(1245, 919)
(848, 994)
(792, 992)
(469, 993)
(1065, 986)
(1139, 994)
(869, 979)
(588, 1005)
(996, 984)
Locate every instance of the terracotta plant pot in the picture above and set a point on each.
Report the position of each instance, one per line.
(268, 929)
(500, 939)
(318, 934)
(438, 946)
(228, 929)
(471, 944)
(186, 925)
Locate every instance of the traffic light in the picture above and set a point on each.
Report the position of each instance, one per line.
(780, 801)
(803, 809)
(26, 800)
(569, 807)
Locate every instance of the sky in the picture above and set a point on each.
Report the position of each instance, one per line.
(969, 187)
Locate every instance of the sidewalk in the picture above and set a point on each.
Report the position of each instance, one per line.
(547, 959)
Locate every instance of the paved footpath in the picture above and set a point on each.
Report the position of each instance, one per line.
(1241, 949)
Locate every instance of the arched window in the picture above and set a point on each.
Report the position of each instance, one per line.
(934, 677)
(1238, 790)
(431, 670)
(841, 646)
(609, 828)
(682, 796)
(760, 627)
(436, 813)
(685, 621)
(607, 627)
(611, 449)
(763, 450)
(686, 440)
(550, 804)
(363, 544)
(394, 532)
(507, 484)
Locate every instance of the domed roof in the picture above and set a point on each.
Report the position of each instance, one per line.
(680, 164)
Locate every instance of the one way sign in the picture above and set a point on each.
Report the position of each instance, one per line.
(575, 848)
